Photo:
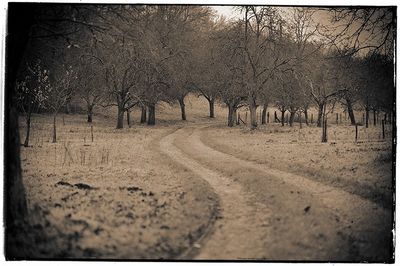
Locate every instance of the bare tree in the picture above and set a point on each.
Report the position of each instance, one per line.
(32, 92)
(62, 85)
(90, 83)
(264, 53)
(362, 30)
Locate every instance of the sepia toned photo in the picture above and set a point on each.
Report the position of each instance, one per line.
(172, 132)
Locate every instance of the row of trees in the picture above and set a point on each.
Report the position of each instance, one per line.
(129, 56)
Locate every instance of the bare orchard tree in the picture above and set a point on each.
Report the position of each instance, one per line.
(206, 54)
(362, 29)
(122, 70)
(61, 89)
(377, 85)
(264, 51)
(90, 83)
(227, 63)
(321, 83)
(32, 92)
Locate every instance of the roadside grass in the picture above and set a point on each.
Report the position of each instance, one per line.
(363, 167)
(116, 197)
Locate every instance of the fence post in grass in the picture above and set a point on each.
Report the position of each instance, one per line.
(337, 119)
(91, 131)
(363, 119)
(383, 129)
(275, 117)
(340, 119)
(356, 132)
(267, 117)
(312, 118)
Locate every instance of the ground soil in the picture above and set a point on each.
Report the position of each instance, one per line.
(199, 190)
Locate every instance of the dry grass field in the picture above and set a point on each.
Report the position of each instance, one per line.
(123, 196)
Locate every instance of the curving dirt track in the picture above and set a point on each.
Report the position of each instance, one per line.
(274, 215)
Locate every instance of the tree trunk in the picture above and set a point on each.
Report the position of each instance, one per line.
(15, 197)
(120, 118)
(68, 107)
(306, 116)
(351, 112)
(320, 113)
(152, 115)
(366, 117)
(182, 105)
(231, 118)
(253, 114)
(28, 126)
(211, 104)
(283, 117)
(264, 114)
(128, 118)
(291, 119)
(143, 117)
(90, 113)
(324, 124)
(54, 128)
(300, 120)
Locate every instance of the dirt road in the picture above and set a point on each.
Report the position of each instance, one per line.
(274, 215)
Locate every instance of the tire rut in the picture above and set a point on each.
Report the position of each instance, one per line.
(264, 217)
(236, 215)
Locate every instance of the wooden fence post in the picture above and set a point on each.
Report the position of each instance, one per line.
(356, 132)
(91, 131)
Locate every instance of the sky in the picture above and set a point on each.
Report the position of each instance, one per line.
(226, 11)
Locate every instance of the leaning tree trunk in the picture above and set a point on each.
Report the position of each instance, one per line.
(143, 117)
(181, 101)
(231, 118)
(152, 114)
(351, 112)
(211, 104)
(291, 119)
(264, 114)
(320, 114)
(283, 117)
(54, 128)
(253, 113)
(28, 126)
(120, 118)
